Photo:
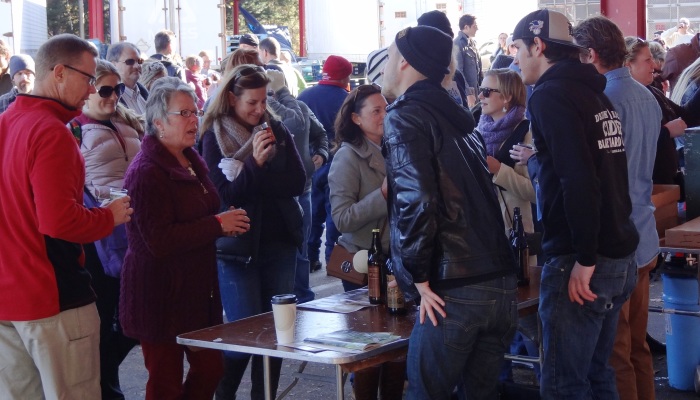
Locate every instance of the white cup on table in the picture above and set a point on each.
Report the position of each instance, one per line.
(284, 311)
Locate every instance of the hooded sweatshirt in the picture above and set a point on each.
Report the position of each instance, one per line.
(582, 187)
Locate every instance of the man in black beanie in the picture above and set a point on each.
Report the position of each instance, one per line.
(447, 241)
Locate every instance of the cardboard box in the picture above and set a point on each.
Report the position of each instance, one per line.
(685, 235)
(665, 199)
(665, 194)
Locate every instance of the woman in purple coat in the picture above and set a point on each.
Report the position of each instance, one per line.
(169, 283)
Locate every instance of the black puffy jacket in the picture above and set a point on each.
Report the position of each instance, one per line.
(446, 225)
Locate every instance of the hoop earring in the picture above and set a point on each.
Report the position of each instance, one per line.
(505, 109)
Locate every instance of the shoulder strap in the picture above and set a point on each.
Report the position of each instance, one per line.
(518, 135)
(77, 131)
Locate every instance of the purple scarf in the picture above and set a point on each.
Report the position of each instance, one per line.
(496, 132)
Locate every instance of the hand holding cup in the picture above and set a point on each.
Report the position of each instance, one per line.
(234, 222)
(121, 209)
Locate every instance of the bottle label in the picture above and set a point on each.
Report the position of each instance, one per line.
(374, 281)
(394, 297)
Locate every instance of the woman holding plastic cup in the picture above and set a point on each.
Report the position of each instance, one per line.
(109, 140)
(169, 281)
(264, 177)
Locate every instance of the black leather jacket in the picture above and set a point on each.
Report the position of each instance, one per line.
(446, 225)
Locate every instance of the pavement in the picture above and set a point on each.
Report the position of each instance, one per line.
(133, 374)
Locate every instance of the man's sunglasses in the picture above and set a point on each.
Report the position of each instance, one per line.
(131, 61)
(486, 92)
(106, 91)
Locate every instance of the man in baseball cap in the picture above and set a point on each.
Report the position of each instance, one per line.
(436, 176)
(248, 41)
(584, 205)
(22, 74)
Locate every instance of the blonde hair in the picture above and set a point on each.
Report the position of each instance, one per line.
(689, 75)
(237, 83)
(104, 69)
(509, 84)
(193, 60)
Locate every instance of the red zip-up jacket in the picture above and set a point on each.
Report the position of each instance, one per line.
(42, 216)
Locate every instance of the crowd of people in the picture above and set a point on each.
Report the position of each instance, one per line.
(146, 198)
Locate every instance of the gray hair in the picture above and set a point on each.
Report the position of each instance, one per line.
(115, 50)
(152, 71)
(159, 98)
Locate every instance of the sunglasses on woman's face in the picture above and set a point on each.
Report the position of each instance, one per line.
(486, 92)
(106, 91)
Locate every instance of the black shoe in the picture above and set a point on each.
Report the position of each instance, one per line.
(314, 266)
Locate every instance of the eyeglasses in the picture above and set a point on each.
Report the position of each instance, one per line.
(366, 90)
(486, 92)
(92, 79)
(131, 61)
(106, 91)
(187, 113)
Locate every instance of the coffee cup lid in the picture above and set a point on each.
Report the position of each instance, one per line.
(284, 299)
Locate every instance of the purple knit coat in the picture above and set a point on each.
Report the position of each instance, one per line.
(169, 281)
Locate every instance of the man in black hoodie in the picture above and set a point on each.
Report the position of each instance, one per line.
(580, 176)
(447, 241)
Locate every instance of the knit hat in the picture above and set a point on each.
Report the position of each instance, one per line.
(151, 71)
(548, 25)
(376, 61)
(336, 68)
(437, 19)
(427, 50)
(250, 40)
(21, 62)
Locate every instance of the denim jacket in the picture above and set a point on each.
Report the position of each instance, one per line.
(641, 118)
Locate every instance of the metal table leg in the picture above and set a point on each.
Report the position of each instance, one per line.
(339, 383)
(266, 369)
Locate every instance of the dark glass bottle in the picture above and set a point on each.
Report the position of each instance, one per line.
(394, 297)
(519, 244)
(375, 269)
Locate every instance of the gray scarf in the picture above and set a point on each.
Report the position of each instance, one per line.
(234, 139)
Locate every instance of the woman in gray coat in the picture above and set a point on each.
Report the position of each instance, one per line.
(357, 181)
(357, 178)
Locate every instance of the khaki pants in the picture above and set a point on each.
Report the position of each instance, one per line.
(631, 357)
(51, 358)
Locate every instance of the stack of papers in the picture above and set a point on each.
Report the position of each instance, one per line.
(349, 340)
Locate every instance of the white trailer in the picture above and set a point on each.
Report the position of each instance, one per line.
(197, 24)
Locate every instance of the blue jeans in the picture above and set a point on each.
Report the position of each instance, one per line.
(246, 290)
(467, 346)
(577, 340)
(301, 279)
(320, 214)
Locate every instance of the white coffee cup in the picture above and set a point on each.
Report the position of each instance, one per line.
(115, 193)
(284, 311)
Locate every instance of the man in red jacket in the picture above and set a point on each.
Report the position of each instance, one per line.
(49, 327)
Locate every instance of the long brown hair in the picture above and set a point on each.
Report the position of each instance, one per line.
(345, 129)
(236, 81)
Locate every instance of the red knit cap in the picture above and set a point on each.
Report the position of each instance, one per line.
(336, 68)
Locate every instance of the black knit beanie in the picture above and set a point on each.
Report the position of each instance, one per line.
(426, 49)
(437, 19)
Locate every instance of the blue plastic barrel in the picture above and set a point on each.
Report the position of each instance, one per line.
(682, 331)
